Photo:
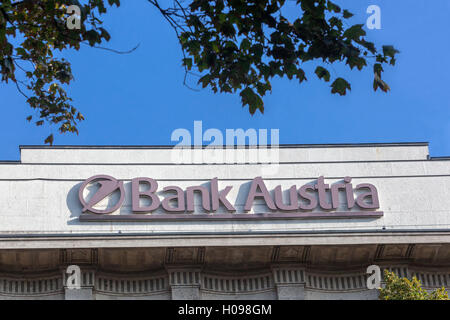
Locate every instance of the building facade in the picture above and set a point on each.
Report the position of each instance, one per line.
(139, 223)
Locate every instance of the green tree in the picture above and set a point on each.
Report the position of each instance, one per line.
(237, 46)
(397, 288)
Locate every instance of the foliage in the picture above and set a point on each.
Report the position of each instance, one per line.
(404, 289)
(30, 33)
(240, 45)
(236, 45)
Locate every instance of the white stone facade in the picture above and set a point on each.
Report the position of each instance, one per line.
(41, 232)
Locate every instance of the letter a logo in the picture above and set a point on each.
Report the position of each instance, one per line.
(108, 185)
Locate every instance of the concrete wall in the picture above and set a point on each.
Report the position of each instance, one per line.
(252, 259)
(40, 195)
(287, 153)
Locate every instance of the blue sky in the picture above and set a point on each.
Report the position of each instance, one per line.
(139, 98)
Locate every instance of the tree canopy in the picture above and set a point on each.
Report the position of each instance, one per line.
(397, 288)
(237, 46)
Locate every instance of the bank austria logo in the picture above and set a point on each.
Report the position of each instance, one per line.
(108, 185)
(103, 195)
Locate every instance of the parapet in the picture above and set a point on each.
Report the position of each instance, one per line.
(298, 153)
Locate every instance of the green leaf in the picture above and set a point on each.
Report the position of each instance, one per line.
(252, 99)
(347, 14)
(378, 69)
(378, 83)
(333, 7)
(355, 32)
(245, 44)
(301, 75)
(204, 80)
(390, 51)
(49, 139)
(188, 63)
(323, 73)
(340, 86)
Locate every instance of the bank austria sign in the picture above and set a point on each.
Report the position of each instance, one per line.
(317, 200)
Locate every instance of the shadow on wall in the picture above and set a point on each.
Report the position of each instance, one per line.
(73, 203)
(75, 207)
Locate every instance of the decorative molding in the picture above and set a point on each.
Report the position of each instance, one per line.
(410, 251)
(433, 280)
(306, 254)
(39, 285)
(162, 283)
(184, 276)
(385, 252)
(194, 255)
(291, 254)
(333, 282)
(120, 285)
(79, 256)
(275, 253)
(287, 275)
(232, 284)
(379, 252)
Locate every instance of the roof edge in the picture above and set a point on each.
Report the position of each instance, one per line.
(444, 158)
(281, 146)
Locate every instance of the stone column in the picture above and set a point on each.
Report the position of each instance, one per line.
(289, 282)
(184, 283)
